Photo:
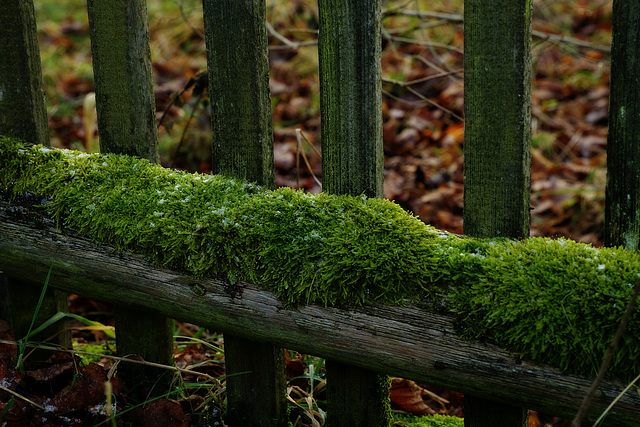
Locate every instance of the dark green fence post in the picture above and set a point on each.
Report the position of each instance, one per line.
(497, 143)
(622, 204)
(125, 99)
(23, 112)
(497, 110)
(352, 163)
(350, 95)
(622, 208)
(23, 115)
(238, 63)
(237, 60)
(127, 125)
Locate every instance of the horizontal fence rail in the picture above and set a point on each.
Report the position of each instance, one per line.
(402, 341)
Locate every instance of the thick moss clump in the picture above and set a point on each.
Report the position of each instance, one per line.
(555, 301)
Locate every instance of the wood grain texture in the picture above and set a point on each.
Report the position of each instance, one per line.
(23, 113)
(126, 110)
(497, 143)
(402, 341)
(238, 67)
(242, 147)
(497, 112)
(349, 51)
(622, 208)
(123, 77)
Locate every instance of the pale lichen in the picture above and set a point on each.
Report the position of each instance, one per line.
(555, 301)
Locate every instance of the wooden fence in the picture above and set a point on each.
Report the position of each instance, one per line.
(361, 345)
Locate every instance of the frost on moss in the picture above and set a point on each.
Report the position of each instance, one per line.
(555, 301)
(308, 249)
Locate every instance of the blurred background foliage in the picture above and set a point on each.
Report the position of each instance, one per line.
(422, 93)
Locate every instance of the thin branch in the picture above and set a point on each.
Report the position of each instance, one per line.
(187, 125)
(187, 21)
(118, 358)
(298, 45)
(299, 150)
(178, 95)
(608, 358)
(424, 100)
(21, 397)
(407, 40)
(431, 49)
(456, 18)
(288, 44)
(452, 17)
(422, 79)
(559, 39)
(280, 37)
(618, 397)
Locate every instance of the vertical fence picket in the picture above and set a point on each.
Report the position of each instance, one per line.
(23, 112)
(622, 208)
(497, 143)
(238, 64)
(127, 125)
(23, 115)
(125, 99)
(237, 61)
(497, 114)
(622, 199)
(352, 163)
(351, 89)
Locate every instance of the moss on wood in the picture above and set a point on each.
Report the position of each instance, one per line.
(554, 301)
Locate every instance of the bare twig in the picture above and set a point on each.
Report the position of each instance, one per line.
(424, 100)
(618, 397)
(452, 17)
(118, 358)
(299, 150)
(187, 124)
(296, 44)
(422, 79)
(288, 44)
(607, 358)
(431, 48)
(456, 18)
(21, 397)
(559, 39)
(283, 39)
(407, 40)
(202, 75)
(187, 21)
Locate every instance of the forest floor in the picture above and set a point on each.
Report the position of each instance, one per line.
(423, 140)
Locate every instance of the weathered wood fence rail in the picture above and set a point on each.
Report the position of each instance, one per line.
(360, 344)
(402, 341)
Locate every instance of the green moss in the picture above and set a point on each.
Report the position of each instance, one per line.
(555, 301)
(383, 400)
(97, 352)
(428, 421)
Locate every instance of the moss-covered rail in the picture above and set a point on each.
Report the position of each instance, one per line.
(349, 278)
